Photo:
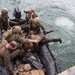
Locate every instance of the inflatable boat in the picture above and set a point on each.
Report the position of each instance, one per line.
(48, 59)
(45, 55)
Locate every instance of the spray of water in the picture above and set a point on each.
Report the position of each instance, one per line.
(64, 22)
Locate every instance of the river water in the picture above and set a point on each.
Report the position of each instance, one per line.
(58, 15)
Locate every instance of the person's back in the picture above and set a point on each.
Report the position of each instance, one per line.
(2, 47)
(39, 37)
(9, 51)
(4, 21)
(36, 24)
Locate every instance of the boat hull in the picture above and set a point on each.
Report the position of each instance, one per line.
(48, 60)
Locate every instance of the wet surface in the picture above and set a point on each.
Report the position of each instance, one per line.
(58, 15)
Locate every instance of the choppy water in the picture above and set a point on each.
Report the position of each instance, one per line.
(58, 15)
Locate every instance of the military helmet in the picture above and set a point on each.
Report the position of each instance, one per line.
(4, 10)
(16, 29)
(27, 67)
(37, 20)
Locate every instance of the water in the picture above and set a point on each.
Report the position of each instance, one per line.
(58, 15)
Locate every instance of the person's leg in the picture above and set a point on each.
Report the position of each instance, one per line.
(16, 53)
(48, 40)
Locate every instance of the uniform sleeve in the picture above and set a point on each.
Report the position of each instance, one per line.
(7, 62)
(24, 40)
(16, 53)
(6, 34)
(31, 21)
(42, 27)
(1, 23)
(20, 39)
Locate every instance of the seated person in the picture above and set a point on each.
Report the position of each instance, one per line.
(36, 24)
(4, 20)
(30, 14)
(8, 52)
(17, 21)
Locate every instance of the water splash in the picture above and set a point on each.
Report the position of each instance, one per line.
(64, 22)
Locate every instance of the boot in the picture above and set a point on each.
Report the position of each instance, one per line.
(60, 40)
(48, 40)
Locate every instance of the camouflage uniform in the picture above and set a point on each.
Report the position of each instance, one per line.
(4, 54)
(30, 14)
(12, 36)
(36, 24)
(8, 55)
(4, 21)
(23, 41)
(41, 37)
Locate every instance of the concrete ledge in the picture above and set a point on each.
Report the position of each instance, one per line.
(70, 71)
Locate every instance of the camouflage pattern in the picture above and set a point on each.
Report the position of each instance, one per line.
(4, 25)
(7, 62)
(41, 37)
(16, 29)
(8, 55)
(36, 25)
(5, 55)
(7, 34)
(24, 42)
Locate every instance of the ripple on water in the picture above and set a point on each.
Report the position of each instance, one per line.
(14, 1)
(64, 22)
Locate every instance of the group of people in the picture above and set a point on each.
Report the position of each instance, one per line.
(21, 39)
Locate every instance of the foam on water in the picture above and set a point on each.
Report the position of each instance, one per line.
(49, 12)
(64, 22)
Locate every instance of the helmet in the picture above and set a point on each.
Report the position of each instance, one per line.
(17, 13)
(37, 20)
(27, 67)
(14, 45)
(16, 29)
(4, 10)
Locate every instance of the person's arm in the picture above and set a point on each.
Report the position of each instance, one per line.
(24, 40)
(16, 53)
(30, 40)
(1, 26)
(42, 27)
(7, 62)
